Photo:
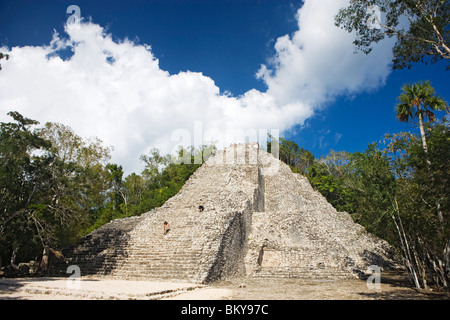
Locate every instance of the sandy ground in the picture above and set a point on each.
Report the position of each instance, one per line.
(392, 287)
(104, 289)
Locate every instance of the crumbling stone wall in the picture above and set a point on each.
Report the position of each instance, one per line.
(230, 257)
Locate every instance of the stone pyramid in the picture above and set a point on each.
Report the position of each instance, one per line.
(259, 220)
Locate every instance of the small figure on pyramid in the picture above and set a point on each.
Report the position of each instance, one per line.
(166, 227)
(201, 208)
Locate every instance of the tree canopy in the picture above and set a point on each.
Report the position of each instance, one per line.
(420, 27)
(419, 101)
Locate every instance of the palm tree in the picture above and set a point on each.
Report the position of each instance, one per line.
(419, 100)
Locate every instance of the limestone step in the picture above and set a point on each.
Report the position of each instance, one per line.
(302, 273)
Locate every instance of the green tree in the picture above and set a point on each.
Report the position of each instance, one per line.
(372, 187)
(117, 197)
(423, 179)
(134, 189)
(52, 183)
(24, 162)
(298, 159)
(56, 186)
(425, 39)
(419, 101)
(79, 179)
(329, 186)
(154, 164)
(163, 176)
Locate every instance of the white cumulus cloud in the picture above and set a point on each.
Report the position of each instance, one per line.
(116, 90)
(318, 62)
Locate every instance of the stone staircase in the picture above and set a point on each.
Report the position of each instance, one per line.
(97, 252)
(195, 249)
(259, 220)
(302, 273)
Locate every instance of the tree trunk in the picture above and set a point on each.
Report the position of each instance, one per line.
(425, 148)
(440, 215)
(446, 266)
(439, 271)
(422, 133)
(420, 267)
(404, 241)
(13, 258)
(45, 258)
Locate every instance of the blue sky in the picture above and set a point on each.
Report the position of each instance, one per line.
(218, 47)
(224, 39)
(367, 117)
